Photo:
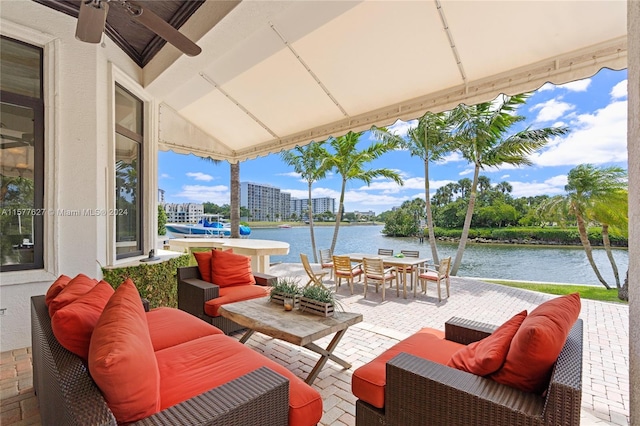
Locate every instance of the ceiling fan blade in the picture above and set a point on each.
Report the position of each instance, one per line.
(166, 31)
(91, 19)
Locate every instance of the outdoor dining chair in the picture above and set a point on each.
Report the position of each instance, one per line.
(315, 277)
(326, 261)
(439, 275)
(385, 252)
(411, 270)
(375, 272)
(342, 268)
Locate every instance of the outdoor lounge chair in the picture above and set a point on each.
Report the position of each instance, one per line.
(315, 277)
(423, 392)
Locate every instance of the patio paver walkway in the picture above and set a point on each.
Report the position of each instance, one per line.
(605, 398)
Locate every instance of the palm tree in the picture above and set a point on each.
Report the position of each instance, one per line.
(309, 162)
(596, 193)
(429, 141)
(612, 213)
(235, 199)
(349, 164)
(479, 131)
(593, 194)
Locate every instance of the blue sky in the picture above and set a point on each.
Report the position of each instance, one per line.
(594, 109)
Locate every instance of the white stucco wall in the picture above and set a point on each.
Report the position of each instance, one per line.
(633, 146)
(78, 153)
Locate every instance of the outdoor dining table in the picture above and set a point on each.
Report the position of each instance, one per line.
(402, 264)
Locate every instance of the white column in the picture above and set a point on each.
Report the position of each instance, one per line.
(633, 146)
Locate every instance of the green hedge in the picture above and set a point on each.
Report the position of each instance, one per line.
(156, 282)
(551, 235)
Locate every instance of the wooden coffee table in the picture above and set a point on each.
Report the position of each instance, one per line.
(299, 328)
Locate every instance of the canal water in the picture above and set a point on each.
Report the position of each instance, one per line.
(500, 261)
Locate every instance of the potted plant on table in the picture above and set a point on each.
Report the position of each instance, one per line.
(286, 292)
(317, 300)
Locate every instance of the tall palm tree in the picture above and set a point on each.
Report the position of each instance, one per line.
(594, 193)
(349, 163)
(235, 199)
(480, 134)
(430, 141)
(310, 162)
(612, 213)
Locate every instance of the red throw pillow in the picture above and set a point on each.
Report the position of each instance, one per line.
(56, 288)
(76, 287)
(229, 269)
(121, 357)
(486, 356)
(537, 344)
(74, 324)
(204, 264)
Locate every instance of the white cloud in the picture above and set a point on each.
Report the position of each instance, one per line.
(547, 87)
(504, 176)
(400, 128)
(218, 194)
(552, 186)
(577, 86)
(466, 172)
(551, 110)
(165, 176)
(597, 138)
(200, 176)
(619, 90)
(452, 157)
(289, 174)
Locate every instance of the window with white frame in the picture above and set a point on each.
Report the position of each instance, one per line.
(129, 116)
(21, 156)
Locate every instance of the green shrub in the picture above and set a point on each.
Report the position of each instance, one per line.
(155, 282)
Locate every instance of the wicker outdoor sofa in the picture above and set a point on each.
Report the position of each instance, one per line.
(419, 391)
(68, 396)
(194, 293)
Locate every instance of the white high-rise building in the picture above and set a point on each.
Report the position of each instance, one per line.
(183, 212)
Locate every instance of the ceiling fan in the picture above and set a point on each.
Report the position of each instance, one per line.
(93, 16)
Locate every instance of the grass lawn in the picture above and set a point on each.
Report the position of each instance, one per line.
(586, 292)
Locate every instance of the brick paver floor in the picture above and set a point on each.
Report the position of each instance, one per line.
(605, 397)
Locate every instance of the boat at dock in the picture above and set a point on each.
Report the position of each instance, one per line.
(208, 225)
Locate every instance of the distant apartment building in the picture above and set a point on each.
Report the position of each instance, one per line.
(264, 202)
(160, 196)
(285, 205)
(369, 214)
(318, 205)
(184, 212)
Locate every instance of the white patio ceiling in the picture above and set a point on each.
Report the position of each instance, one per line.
(275, 74)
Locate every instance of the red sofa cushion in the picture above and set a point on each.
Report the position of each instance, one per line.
(169, 327)
(121, 357)
(234, 294)
(369, 381)
(486, 356)
(73, 324)
(77, 286)
(537, 344)
(203, 364)
(203, 258)
(56, 288)
(230, 269)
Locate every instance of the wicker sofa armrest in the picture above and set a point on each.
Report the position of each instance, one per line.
(193, 292)
(466, 331)
(260, 397)
(265, 279)
(419, 391)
